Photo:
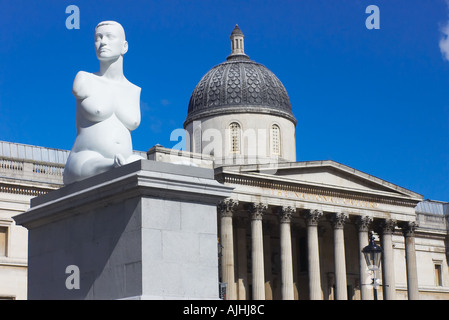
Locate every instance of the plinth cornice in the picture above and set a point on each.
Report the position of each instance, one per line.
(141, 178)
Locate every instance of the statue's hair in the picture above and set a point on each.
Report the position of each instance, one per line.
(103, 23)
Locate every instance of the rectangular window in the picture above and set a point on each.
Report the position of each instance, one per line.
(275, 140)
(438, 278)
(235, 137)
(3, 241)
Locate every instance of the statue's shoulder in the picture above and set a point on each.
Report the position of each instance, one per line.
(132, 86)
(80, 84)
(82, 75)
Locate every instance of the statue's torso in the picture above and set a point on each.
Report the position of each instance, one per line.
(106, 112)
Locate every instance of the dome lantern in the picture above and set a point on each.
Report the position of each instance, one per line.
(237, 43)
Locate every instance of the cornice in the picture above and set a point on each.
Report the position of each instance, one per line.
(32, 191)
(283, 184)
(142, 178)
(260, 169)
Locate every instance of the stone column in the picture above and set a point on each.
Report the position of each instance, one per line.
(295, 253)
(268, 268)
(408, 230)
(389, 282)
(256, 212)
(285, 215)
(242, 261)
(363, 224)
(338, 221)
(226, 208)
(312, 218)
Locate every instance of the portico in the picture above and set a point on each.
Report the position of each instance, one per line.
(296, 237)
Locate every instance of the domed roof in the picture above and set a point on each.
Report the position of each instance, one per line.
(239, 85)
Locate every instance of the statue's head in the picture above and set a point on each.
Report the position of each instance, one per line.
(110, 42)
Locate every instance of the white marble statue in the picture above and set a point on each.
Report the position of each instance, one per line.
(107, 109)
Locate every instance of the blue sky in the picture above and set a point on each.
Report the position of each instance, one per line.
(374, 100)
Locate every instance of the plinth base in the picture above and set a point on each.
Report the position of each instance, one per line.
(147, 230)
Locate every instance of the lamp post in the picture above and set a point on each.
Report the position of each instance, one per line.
(221, 285)
(372, 253)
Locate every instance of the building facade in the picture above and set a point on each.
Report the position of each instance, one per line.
(299, 233)
(290, 230)
(25, 172)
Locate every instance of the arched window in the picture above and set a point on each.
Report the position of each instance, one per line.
(275, 140)
(235, 137)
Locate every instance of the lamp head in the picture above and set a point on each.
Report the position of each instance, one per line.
(372, 253)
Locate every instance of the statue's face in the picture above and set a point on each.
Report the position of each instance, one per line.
(110, 42)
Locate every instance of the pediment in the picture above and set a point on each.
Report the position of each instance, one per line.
(328, 175)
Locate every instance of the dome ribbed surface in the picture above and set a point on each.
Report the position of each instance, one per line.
(239, 85)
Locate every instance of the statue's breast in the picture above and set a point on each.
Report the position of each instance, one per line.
(96, 107)
(101, 99)
(127, 106)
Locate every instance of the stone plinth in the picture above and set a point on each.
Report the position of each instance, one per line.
(147, 230)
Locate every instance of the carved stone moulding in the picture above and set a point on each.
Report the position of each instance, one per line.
(313, 216)
(256, 210)
(227, 207)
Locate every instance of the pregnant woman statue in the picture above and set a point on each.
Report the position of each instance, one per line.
(107, 109)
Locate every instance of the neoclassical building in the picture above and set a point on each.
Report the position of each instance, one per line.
(290, 230)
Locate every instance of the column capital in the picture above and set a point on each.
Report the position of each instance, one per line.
(363, 223)
(339, 219)
(256, 210)
(313, 216)
(409, 228)
(227, 207)
(387, 226)
(285, 213)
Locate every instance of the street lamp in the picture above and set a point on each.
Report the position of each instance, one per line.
(372, 253)
(221, 285)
